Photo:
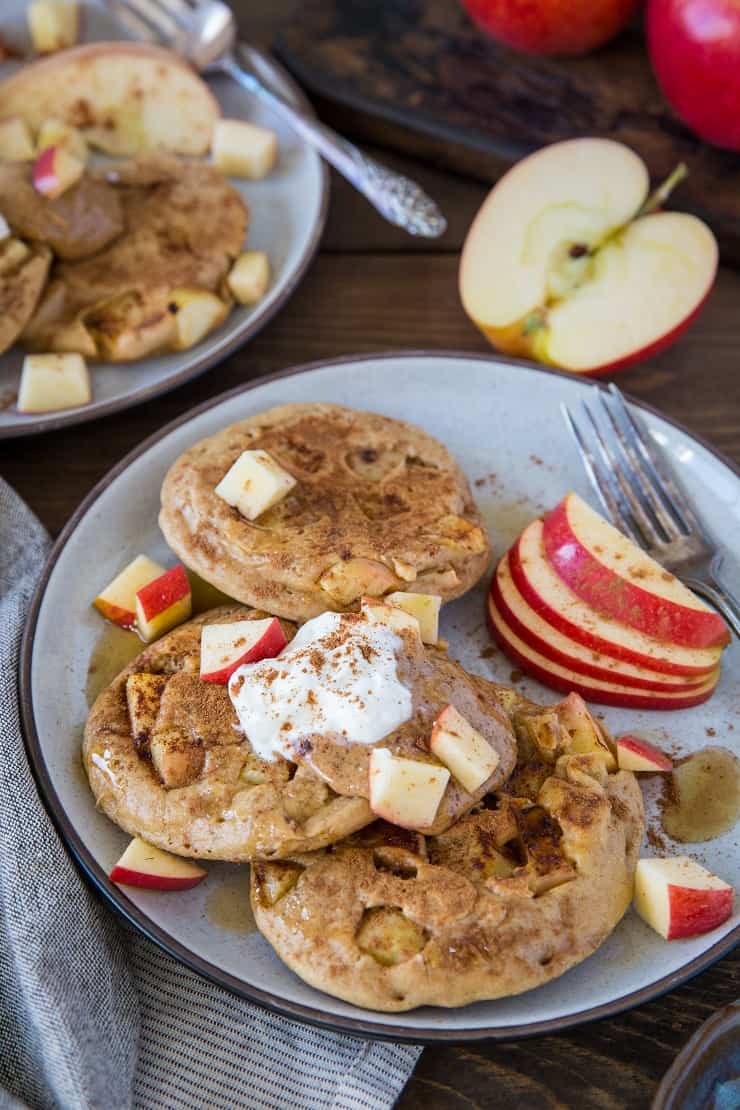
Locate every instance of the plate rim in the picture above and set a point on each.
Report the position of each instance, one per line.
(86, 414)
(123, 905)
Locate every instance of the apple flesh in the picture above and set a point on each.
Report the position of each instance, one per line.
(54, 132)
(423, 607)
(197, 312)
(558, 267)
(163, 603)
(55, 171)
(16, 144)
(54, 24)
(117, 602)
(242, 149)
(405, 792)
(249, 277)
(224, 647)
(462, 749)
(53, 382)
(679, 898)
(636, 754)
(546, 28)
(145, 866)
(254, 483)
(393, 616)
(615, 577)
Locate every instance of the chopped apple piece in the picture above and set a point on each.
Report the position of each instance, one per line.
(463, 749)
(196, 312)
(224, 647)
(585, 732)
(679, 898)
(16, 144)
(146, 866)
(51, 382)
(249, 277)
(377, 612)
(143, 696)
(348, 579)
(54, 132)
(163, 603)
(405, 792)
(56, 170)
(275, 879)
(389, 936)
(635, 754)
(425, 607)
(243, 150)
(117, 602)
(254, 483)
(54, 24)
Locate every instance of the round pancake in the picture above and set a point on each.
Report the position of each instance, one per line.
(179, 775)
(379, 505)
(507, 899)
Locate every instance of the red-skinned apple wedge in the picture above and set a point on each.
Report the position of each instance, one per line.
(163, 603)
(548, 595)
(636, 754)
(568, 263)
(224, 647)
(144, 866)
(117, 602)
(612, 574)
(679, 898)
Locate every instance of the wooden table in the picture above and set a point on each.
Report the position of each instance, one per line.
(372, 289)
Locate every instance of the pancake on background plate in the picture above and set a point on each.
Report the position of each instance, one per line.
(377, 506)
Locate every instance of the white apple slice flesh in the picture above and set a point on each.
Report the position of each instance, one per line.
(406, 792)
(143, 865)
(225, 647)
(423, 607)
(117, 602)
(679, 898)
(393, 616)
(636, 754)
(462, 749)
(254, 483)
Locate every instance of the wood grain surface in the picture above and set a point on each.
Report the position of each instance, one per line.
(373, 289)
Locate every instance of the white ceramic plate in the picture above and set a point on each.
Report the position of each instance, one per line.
(287, 213)
(502, 422)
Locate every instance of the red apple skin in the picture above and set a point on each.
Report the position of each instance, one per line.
(267, 647)
(552, 26)
(44, 176)
(154, 882)
(164, 591)
(642, 748)
(694, 46)
(616, 597)
(636, 700)
(693, 912)
(580, 666)
(124, 618)
(582, 635)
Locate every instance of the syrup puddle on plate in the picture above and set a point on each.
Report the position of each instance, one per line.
(227, 905)
(702, 796)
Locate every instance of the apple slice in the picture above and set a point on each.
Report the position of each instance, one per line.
(242, 149)
(117, 602)
(561, 265)
(254, 483)
(636, 754)
(54, 24)
(54, 132)
(56, 170)
(405, 792)
(585, 734)
(249, 277)
(143, 865)
(607, 693)
(552, 599)
(462, 749)
(424, 607)
(163, 603)
(52, 382)
(395, 617)
(614, 576)
(16, 144)
(679, 898)
(197, 312)
(224, 647)
(556, 646)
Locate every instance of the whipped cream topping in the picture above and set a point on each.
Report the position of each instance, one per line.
(338, 678)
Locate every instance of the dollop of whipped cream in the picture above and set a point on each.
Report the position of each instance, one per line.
(337, 678)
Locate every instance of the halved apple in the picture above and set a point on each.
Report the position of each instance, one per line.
(53, 382)
(560, 264)
(254, 483)
(549, 596)
(636, 754)
(163, 603)
(406, 792)
(56, 170)
(224, 647)
(614, 576)
(607, 693)
(423, 607)
(679, 898)
(117, 602)
(463, 749)
(143, 865)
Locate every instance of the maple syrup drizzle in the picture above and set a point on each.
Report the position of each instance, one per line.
(702, 796)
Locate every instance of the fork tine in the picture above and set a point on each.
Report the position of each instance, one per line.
(133, 22)
(179, 10)
(152, 15)
(607, 495)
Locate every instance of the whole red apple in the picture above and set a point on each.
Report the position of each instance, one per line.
(552, 26)
(695, 50)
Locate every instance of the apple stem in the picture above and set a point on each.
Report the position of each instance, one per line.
(659, 196)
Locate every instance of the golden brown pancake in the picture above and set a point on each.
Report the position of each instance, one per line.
(379, 505)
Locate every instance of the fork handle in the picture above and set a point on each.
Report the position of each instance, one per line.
(721, 599)
(399, 200)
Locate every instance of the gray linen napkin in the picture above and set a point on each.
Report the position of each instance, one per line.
(92, 1015)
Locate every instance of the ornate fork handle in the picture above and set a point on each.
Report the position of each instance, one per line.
(399, 200)
(708, 584)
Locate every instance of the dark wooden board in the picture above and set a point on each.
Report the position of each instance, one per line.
(416, 75)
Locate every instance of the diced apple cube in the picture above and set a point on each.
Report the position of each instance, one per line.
(56, 170)
(463, 749)
(51, 382)
(405, 792)
(143, 865)
(346, 580)
(254, 483)
(117, 602)
(197, 312)
(243, 150)
(16, 144)
(424, 607)
(225, 647)
(636, 754)
(378, 612)
(584, 733)
(163, 603)
(143, 696)
(249, 277)
(679, 898)
(53, 24)
(54, 132)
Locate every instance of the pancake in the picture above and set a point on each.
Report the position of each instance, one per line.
(379, 506)
(180, 775)
(509, 898)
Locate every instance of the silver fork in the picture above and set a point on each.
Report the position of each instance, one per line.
(204, 31)
(645, 501)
